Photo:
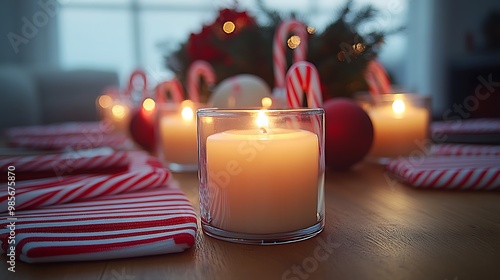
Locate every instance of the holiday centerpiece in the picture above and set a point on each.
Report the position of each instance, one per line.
(237, 43)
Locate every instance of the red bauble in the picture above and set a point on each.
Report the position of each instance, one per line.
(348, 133)
(142, 129)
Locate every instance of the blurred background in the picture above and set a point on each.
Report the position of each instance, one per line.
(56, 57)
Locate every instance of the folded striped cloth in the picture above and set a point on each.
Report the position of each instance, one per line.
(448, 172)
(97, 160)
(143, 172)
(464, 150)
(73, 135)
(135, 224)
(469, 126)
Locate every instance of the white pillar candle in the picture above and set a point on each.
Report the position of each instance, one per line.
(178, 137)
(263, 181)
(399, 128)
(120, 117)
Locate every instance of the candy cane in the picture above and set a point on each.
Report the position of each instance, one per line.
(197, 69)
(279, 50)
(377, 79)
(137, 73)
(303, 76)
(174, 87)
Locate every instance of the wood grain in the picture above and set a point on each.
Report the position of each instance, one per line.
(375, 228)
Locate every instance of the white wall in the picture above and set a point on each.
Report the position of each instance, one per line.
(436, 34)
(39, 46)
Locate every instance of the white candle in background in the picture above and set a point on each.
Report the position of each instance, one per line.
(398, 128)
(178, 136)
(120, 118)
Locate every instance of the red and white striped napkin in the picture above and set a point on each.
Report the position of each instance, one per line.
(74, 135)
(464, 150)
(144, 172)
(469, 126)
(448, 172)
(136, 224)
(79, 161)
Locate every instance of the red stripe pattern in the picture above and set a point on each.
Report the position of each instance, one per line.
(303, 77)
(279, 49)
(448, 172)
(377, 78)
(470, 126)
(144, 172)
(465, 150)
(174, 87)
(197, 69)
(67, 136)
(150, 222)
(83, 160)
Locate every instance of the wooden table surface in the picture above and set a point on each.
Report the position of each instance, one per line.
(375, 228)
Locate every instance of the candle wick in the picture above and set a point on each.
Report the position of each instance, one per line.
(263, 130)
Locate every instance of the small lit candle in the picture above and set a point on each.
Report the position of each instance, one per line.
(262, 180)
(178, 136)
(120, 117)
(399, 128)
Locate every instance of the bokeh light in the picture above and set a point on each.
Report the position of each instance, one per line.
(148, 104)
(228, 27)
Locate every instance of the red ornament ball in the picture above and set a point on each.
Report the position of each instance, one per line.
(348, 133)
(142, 125)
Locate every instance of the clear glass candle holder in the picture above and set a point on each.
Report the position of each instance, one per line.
(261, 174)
(176, 134)
(400, 123)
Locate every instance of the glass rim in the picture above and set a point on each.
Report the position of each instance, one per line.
(214, 112)
(368, 96)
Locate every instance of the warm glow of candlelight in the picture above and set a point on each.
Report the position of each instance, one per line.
(105, 101)
(267, 102)
(262, 121)
(228, 27)
(148, 104)
(187, 113)
(118, 111)
(398, 106)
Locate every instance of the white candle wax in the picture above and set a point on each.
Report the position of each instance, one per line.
(262, 182)
(119, 115)
(178, 138)
(398, 129)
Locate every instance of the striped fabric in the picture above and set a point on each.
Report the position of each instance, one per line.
(74, 135)
(150, 222)
(470, 126)
(84, 160)
(449, 172)
(465, 150)
(144, 172)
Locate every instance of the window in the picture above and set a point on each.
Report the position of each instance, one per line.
(123, 34)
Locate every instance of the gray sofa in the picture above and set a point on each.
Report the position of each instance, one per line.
(34, 96)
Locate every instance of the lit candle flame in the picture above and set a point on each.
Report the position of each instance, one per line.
(262, 121)
(187, 112)
(267, 102)
(148, 104)
(398, 106)
(293, 42)
(228, 27)
(118, 111)
(105, 101)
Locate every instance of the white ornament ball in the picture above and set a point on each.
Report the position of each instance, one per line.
(240, 91)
